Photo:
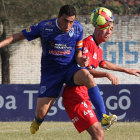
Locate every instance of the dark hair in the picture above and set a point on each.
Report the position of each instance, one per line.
(69, 10)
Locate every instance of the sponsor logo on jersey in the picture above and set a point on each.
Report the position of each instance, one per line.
(62, 46)
(59, 46)
(48, 29)
(59, 52)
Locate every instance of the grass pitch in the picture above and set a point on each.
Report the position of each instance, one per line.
(65, 131)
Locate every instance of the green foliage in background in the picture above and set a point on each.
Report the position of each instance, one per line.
(33, 11)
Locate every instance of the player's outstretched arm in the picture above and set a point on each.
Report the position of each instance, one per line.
(97, 74)
(115, 67)
(11, 39)
(133, 72)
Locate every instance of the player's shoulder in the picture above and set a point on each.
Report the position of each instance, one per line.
(89, 38)
(77, 24)
(47, 22)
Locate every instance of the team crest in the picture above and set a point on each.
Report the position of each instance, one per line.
(71, 32)
(42, 89)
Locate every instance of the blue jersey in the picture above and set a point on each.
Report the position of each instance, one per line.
(58, 48)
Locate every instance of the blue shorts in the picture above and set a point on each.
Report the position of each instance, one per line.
(52, 80)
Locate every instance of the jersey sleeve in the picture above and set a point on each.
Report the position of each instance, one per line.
(102, 62)
(32, 32)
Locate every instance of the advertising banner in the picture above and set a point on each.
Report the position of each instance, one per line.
(18, 103)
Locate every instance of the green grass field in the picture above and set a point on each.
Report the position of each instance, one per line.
(65, 131)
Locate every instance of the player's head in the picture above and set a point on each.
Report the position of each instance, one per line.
(102, 18)
(103, 35)
(68, 10)
(66, 17)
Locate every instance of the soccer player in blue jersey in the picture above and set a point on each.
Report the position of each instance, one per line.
(61, 40)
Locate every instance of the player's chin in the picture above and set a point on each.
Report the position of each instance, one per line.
(105, 39)
(66, 31)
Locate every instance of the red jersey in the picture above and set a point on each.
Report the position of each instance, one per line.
(95, 54)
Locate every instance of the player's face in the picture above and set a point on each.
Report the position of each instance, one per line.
(104, 35)
(65, 22)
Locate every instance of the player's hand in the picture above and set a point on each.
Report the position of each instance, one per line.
(133, 72)
(113, 79)
(83, 61)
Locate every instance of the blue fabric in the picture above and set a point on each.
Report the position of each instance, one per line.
(52, 80)
(97, 101)
(57, 47)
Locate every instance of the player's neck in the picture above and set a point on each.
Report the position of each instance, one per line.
(94, 38)
(97, 40)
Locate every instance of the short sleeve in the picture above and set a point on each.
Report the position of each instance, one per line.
(102, 62)
(32, 32)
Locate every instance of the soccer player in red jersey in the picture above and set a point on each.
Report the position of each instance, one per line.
(76, 98)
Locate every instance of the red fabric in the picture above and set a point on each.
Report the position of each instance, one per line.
(75, 94)
(80, 113)
(94, 52)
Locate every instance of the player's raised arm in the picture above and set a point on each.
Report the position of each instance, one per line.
(98, 74)
(114, 67)
(11, 39)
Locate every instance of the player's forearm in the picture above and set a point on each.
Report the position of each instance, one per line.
(11, 39)
(6, 42)
(114, 67)
(78, 56)
(97, 74)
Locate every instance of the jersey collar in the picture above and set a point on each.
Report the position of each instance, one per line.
(95, 40)
(57, 25)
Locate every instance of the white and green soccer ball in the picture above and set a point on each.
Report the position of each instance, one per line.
(102, 18)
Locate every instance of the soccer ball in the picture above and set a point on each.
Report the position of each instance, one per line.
(102, 18)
